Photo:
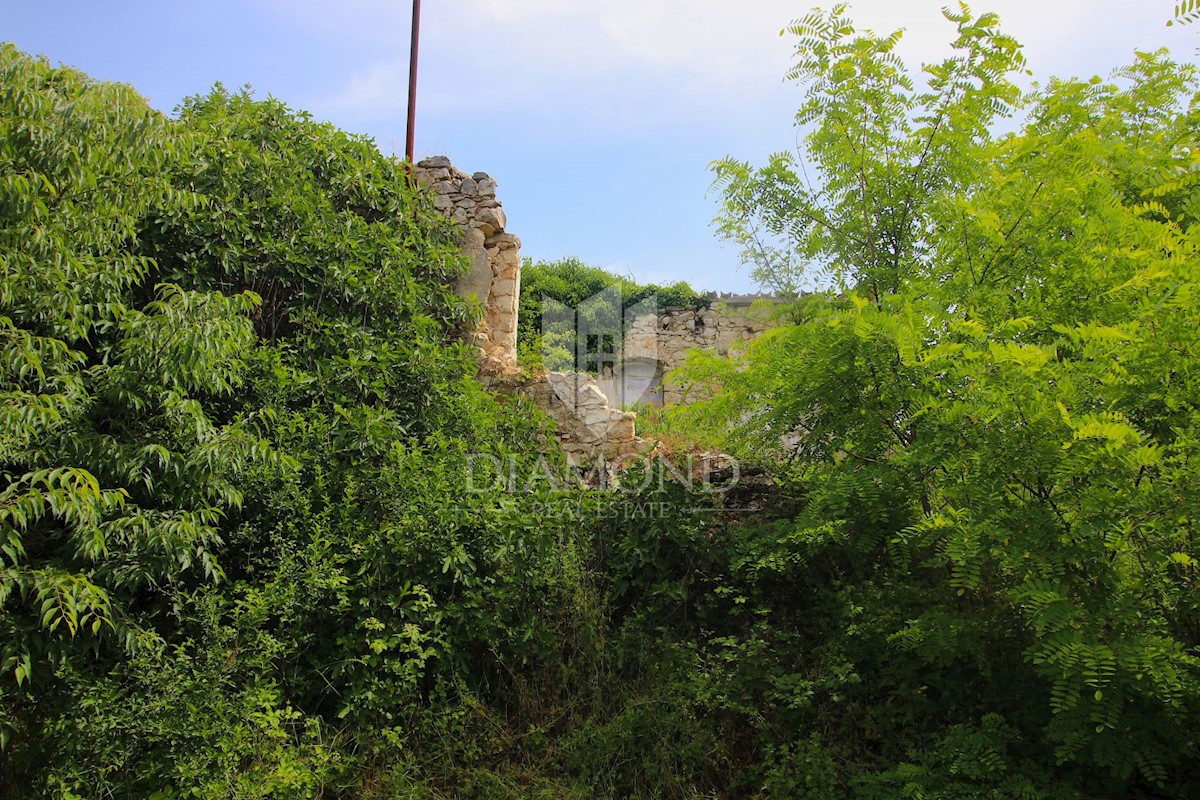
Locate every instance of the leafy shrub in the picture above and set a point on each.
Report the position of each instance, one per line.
(237, 427)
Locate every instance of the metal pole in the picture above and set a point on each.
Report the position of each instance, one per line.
(412, 79)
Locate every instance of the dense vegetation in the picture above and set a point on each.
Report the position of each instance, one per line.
(242, 553)
(237, 559)
(587, 290)
(993, 430)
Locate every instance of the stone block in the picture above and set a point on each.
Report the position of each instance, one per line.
(434, 162)
(431, 175)
(493, 217)
(477, 282)
(503, 323)
(503, 241)
(622, 430)
(503, 287)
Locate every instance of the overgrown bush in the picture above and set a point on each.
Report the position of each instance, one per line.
(239, 545)
(246, 549)
(990, 590)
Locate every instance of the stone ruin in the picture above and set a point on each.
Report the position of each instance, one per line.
(494, 277)
(590, 424)
(727, 325)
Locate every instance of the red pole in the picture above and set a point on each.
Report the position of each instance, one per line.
(412, 79)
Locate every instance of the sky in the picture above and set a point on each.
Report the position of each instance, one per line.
(597, 118)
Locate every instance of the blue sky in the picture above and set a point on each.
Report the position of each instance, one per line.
(598, 118)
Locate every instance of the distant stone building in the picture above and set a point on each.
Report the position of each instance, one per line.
(617, 362)
(729, 323)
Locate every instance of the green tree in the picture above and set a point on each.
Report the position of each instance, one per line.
(994, 427)
(239, 552)
(855, 205)
(116, 474)
(571, 282)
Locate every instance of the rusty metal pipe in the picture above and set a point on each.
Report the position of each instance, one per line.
(412, 80)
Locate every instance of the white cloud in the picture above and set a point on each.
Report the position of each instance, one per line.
(618, 104)
(635, 62)
(591, 59)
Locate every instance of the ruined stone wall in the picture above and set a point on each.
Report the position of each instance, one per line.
(726, 326)
(590, 426)
(494, 278)
(591, 423)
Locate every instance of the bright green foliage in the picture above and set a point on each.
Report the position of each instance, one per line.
(994, 430)
(239, 555)
(116, 475)
(1186, 12)
(321, 226)
(880, 150)
(571, 282)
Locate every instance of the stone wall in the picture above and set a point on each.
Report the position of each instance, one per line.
(494, 278)
(589, 425)
(588, 411)
(726, 326)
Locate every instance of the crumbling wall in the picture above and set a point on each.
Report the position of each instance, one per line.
(590, 427)
(730, 323)
(494, 278)
(590, 421)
